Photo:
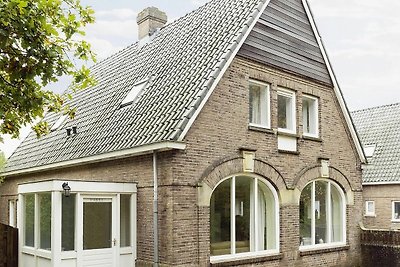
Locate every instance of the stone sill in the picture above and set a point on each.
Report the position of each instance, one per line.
(310, 138)
(289, 152)
(323, 250)
(261, 129)
(245, 261)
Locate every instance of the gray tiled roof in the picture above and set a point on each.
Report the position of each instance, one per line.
(182, 63)
(380, 126)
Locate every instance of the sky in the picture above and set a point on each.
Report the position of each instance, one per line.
(362, 39)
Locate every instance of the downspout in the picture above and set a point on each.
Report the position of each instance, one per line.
(155, 211)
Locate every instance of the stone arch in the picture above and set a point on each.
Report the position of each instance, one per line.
(311, 173)
(229, 166)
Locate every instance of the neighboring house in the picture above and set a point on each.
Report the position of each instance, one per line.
(379, 131)
(221, 138)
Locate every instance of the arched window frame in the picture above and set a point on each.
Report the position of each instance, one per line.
(238, 256)
(344, 219)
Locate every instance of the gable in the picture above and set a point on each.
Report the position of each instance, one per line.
(283, 38)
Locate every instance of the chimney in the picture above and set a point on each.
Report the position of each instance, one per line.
(149, 21)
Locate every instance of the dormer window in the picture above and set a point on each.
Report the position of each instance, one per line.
(58, 123)
(132, 95)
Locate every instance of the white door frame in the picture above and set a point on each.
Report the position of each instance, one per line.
(98, 198)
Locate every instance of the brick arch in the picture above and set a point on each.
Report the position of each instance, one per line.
(311, 173)
(234, 165)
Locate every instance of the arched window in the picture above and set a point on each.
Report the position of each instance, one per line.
(243, 218)
(322, 214)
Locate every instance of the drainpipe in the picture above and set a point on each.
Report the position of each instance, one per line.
(155, 211)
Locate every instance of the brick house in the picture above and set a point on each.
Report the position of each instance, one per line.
(378, 129)
(221, 138)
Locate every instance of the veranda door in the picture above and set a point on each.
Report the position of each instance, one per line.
(98, 230)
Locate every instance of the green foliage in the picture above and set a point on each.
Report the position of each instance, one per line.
(2, 165)
(38, 41)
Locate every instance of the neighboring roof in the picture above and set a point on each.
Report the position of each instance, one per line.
(183, 65)
(182, 62)
(380, 126)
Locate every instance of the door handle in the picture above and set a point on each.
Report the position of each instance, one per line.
(114, 242)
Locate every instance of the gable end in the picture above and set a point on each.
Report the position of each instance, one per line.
(283, 38)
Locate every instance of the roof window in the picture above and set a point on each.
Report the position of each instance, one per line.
(58, 123)
(369, 150)
(132, 95)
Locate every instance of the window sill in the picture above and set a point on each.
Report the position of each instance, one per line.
(288, 152)
(246, 260)
(320, 250)
(312, 138)
(395, 221)
(289, 134)
(370, 215)
(260, 128)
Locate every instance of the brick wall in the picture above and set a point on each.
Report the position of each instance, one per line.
(383, 195)
(212, 154)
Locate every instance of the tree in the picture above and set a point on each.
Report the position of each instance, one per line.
(2, 161)
(39, 40)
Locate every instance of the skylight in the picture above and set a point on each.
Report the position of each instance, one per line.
(369, 150)
(58, 123)
(131, 96)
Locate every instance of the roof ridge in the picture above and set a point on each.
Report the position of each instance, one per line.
(375, 107)
(168, 24)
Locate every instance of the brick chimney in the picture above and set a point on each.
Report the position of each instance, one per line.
(149, 20)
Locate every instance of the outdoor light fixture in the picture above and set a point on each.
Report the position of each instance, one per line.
(67, 189)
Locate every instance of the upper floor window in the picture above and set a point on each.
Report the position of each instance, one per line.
(259, 104)
(286, 111)
(310, 116)
(322, 214)
(396, 211)
(243, 218)
(369, 208)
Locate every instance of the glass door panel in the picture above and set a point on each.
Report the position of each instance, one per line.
(97, 225)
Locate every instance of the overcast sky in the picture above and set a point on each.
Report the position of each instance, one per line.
(362, 38)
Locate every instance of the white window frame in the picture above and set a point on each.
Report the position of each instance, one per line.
(134, 93)
(80, 188)
(393, 211)
(267, 108)
(59, 122)
(245, 255)
(369, 150)
(12, 214)
(290, 94)
(369, 213)
(314, 110)
(327, 244)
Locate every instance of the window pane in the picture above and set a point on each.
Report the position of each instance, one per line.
(29, 220)
(337, 215)
(266, 218)
(321, 198)
(255, 104)
(125, 220)
(68, 223)
(45, 221)
(396, 214)
(310, 115)
(259, 106)
(306, 216)
(96, 225)
(220, 214)
(242, 214)
(285, 112)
